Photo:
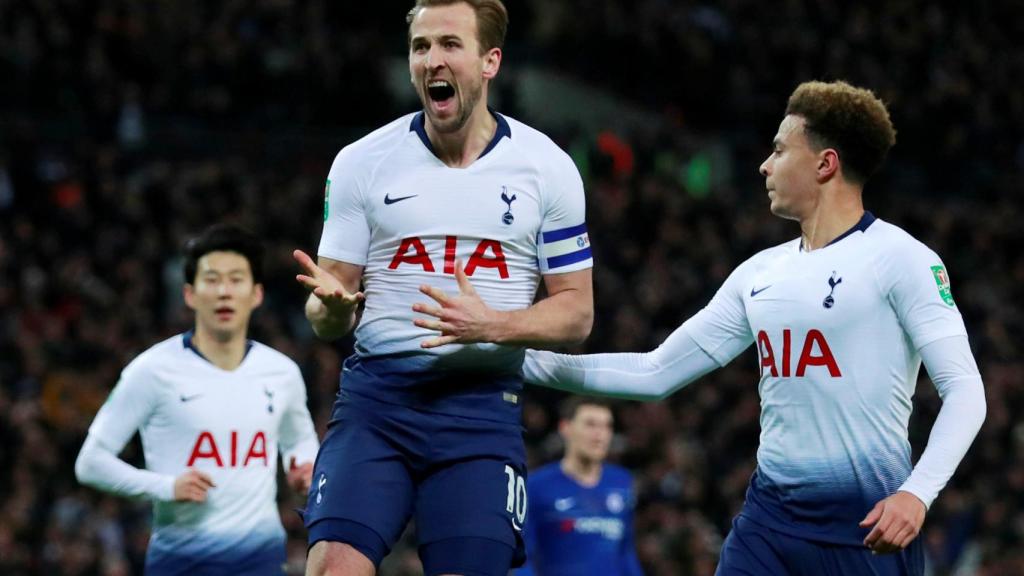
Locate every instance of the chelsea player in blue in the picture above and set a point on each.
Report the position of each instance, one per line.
(581, 508)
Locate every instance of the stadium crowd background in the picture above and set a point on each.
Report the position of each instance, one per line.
(126, 126)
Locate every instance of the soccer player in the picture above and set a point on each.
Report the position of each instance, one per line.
(427, 425)
(581, 508)
(214, 410)
(842, 318)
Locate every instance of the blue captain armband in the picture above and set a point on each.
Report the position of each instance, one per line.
(564, 250)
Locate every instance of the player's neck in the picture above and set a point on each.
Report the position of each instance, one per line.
(836, 212)
(584, 471)
(461, 148)
(226, 354)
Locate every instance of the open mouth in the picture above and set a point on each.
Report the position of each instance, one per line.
(224, 312)
(440, 91)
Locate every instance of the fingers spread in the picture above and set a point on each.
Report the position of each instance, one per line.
(439, 341)
(309, 282)
(427, 309)
(435, 293)
(465, 286)
(305, 262)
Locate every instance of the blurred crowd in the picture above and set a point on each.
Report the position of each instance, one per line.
(127, 126)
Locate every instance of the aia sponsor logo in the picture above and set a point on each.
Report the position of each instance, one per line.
(226, 453)
(488, 254)
(814, 352)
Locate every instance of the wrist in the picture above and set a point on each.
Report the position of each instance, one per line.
(498, 327)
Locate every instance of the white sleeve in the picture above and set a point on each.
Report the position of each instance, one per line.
(722, 328)
(563, 244)
(346, 234)
(649, 376)
(708, 340)
(298, 435)
(953, 371)
(126, 410)
(920, 294)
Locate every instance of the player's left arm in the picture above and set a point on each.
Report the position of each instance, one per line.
(921, 295)
(564, 317)
(897, 520)
(298, 438)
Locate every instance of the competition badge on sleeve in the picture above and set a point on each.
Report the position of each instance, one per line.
(942, 279)
(327, 197)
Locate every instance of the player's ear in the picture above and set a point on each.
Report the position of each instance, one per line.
(189, 293)
(828, 164)
(492, 62)
(257, 295)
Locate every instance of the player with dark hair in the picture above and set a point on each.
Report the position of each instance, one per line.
(213, 409)
(581, 508)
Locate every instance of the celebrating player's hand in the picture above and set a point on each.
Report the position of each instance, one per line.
(325, 286)
(192, 486)
(463, 318)
(897, 521)
(300, 476)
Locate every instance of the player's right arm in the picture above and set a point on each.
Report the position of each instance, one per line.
(335, 278)
(334, 297)
(708, 340)
(129, 406)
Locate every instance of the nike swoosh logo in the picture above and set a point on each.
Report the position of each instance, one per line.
(754, 292)
(192, 397)
(388, 200)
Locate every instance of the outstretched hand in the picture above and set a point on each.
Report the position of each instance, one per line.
(897, 521)
(325, 286)
(463, 318)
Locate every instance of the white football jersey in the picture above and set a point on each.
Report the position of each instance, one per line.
(393, 207)
(836, 331)
(229, 424)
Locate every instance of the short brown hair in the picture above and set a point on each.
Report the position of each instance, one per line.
(572, 404)
(852, 120)
(491, 19)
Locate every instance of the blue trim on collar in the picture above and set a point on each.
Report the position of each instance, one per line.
(186, 340)
(419, 126)
(861, 226)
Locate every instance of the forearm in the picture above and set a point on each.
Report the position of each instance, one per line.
(955, 375)
(561, 319)
(100, 468)
(327, 324)
(635, 376)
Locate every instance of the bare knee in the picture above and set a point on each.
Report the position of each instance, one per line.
(337, 559)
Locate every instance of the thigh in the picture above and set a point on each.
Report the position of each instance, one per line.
(751, 550)
(477, 498)
(362, 489)
(466, 557)
(840, 560)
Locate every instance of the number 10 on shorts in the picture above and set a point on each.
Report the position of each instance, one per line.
(516, 501)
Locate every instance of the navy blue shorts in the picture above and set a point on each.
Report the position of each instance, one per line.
(754, 550)
(462, 479)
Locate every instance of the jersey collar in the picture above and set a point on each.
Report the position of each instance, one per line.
(419, 126)
(861, 226)
(186, 341)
